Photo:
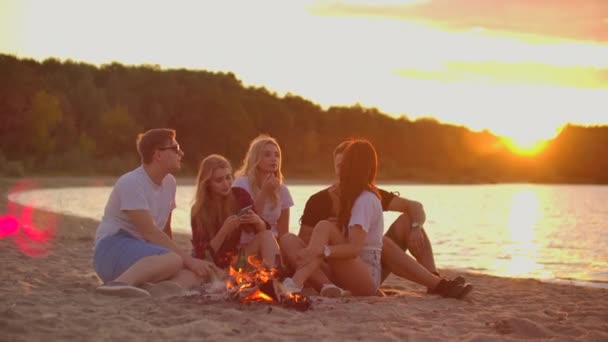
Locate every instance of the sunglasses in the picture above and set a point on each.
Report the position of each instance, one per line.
(175, 148)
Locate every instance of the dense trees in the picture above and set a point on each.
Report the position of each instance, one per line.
(74, 118)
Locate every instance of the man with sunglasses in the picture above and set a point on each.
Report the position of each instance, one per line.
(133, 243)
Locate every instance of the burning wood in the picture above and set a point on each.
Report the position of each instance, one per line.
(254, 283)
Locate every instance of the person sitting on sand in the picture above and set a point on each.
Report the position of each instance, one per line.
(319, 208)
(351, 246)
(133, 243)
(220, 215)
(260, 175)
(407, 231)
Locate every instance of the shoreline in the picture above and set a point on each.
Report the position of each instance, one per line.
(61, 181)
(51, 296)
(71, 182)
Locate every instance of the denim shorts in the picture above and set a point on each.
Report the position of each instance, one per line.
(116, 253)
(372, 259)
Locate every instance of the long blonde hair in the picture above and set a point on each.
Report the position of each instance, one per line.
(251, 162)
(208, 211)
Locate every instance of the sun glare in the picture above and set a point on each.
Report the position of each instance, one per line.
(522, 251)
(525, 146)
(528, 141)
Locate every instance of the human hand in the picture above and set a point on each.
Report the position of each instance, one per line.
(203, 268)
(231, 223)
(252, 218)
(270, 184)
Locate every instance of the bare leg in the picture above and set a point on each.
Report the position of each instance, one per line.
(402, 265)
(323, 233)
(264, 245)
(290, 246)
(305, 233)
(187, 279)
(177, 285)
(426, 257)
(152, 269)
(399, 232)
(353, 275)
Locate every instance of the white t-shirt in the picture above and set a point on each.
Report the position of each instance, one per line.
(271, 213)
(136, 191)
(367, 212)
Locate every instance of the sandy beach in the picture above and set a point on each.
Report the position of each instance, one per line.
(47, 293)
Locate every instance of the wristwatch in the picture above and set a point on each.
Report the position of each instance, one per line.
(415, 225)
(326, 252)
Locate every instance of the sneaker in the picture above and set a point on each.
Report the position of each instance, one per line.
(458, 280)
(290, 286)
(332, 291)
(120, 289)
(452, 289)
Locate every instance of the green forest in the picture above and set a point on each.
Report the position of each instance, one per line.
(77, 119)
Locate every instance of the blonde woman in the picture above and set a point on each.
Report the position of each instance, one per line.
(261, 176)
(222, 213)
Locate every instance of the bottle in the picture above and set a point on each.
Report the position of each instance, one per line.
(208, 255)
(241, 261)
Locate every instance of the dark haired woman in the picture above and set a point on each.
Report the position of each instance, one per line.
(352, 246)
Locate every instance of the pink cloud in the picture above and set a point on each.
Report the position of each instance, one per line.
(571, 19)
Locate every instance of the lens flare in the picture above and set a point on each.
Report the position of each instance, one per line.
(8, 226)
(31, 239)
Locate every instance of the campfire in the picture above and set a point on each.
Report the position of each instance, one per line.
(251, 282)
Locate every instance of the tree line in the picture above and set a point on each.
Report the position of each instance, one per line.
(71, 118)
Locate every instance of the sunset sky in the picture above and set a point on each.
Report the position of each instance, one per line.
(519, 68)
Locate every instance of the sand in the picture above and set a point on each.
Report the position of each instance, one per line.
(47, 293)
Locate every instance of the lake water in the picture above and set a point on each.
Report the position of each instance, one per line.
(548, 232)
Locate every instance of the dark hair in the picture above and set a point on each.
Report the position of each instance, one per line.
(342, 146)
(357, 174)
(151, 140)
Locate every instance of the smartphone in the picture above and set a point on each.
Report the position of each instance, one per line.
(244, 210)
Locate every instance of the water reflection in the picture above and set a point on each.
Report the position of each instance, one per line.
(520, 253)
(518, 230)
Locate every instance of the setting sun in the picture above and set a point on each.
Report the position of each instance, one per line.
(529, 141)
(525, 147)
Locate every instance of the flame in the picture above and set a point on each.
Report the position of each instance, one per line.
(259, 284)
(242, 281)
(258, 296)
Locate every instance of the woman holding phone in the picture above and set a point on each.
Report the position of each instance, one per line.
(260, 175)
(222, 213)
